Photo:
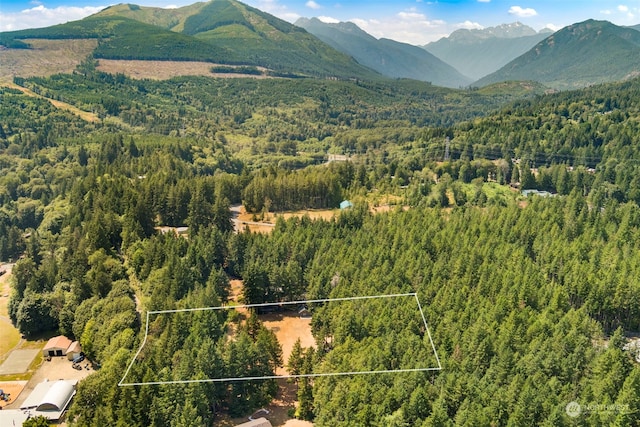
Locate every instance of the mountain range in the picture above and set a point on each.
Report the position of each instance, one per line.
(476, 53)
(578, 55)
(231, 33)
(388, 57)
(220, 31)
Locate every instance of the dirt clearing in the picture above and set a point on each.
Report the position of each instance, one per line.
(288, 327)
(47, 57)
(163, 70)
(12, 389)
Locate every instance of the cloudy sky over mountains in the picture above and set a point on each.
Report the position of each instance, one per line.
(411, 21)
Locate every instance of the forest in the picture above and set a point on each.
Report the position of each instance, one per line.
(529, 300)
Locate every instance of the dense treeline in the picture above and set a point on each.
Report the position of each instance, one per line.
(528, 300)
(312, 109)
(315, 188)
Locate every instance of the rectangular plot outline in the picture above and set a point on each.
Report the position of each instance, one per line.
(269, 377)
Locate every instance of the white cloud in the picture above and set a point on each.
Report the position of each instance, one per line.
(521, 12)
(274, 8)
(552, 27)
(41, 16)
(468, 25)
(408, 26)
(328, 19)
(313, 5)
(484, 1)
(623, 8)
(606, 12)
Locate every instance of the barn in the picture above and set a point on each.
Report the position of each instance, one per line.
(56, 346)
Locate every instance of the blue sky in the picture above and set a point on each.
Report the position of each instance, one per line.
(411, 21)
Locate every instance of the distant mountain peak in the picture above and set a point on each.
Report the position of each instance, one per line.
(578, 55)
(476, 53)
(388, 57)
(346, 27)
(503, 31)
(218, 31)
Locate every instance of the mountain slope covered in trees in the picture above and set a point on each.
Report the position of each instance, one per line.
(579, 55)
(221, 31)
(388, 57)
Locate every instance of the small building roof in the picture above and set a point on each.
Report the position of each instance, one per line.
(74, 347)
(540, 193)
(50, 396)
(258, 422)
(13, 417)
(59, 342)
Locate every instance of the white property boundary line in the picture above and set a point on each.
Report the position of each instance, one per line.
(268, 377)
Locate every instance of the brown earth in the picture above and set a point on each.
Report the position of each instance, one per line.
(45, 58)
(266, 224)
(13, 389)
(163, 70)
(288, 327)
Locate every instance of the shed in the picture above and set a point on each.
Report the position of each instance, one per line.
(540, 193)
(258, 422)
(304, 313)
(345, 204)
(56, 346)
(73, 350)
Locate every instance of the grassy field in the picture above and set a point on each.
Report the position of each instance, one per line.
(9, 336)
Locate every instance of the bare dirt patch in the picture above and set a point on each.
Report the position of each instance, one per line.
(236, 290)
(288, 327)
(264, 223)
(13, 389)
(45, 58)
(325, 214)
(163, 70)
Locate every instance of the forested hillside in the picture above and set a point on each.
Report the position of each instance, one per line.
(528, 301)
(388, 57)
(218, 31)
(578, 55)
